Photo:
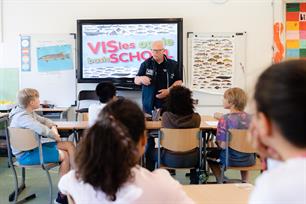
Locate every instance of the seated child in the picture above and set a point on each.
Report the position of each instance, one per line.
(179, 114)
(106, 91)
(107, 158)
(23, 116)
(279, 131)
(235, 100)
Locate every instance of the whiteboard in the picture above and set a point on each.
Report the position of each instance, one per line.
(48, 65)
(216, 62)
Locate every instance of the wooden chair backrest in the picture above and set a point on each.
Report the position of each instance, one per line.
(239, 141)
(180, 140)
(84, 116)
(22, 139)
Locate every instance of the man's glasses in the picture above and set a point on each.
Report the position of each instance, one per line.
(156, 50)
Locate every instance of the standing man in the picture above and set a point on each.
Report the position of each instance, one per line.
(157, 75)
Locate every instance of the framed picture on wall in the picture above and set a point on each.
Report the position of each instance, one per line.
(295, 30)
(289, 30)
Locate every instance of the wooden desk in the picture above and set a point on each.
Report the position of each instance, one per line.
(155, 125)
(150, 125)
(71, 125)
(219, 193)
(204, 122)
(3, 115)
(60, 110)
(6, 108)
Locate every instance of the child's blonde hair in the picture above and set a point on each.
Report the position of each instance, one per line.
(26, 95)
(236, 97)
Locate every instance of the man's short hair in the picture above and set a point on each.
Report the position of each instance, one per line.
(105, 91)
(26, 95)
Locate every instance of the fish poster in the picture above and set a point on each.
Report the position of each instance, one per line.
(54, 58)
(212, 63)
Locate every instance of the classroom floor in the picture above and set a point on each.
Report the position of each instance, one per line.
(36, 181)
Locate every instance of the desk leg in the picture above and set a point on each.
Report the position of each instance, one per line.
(76, 136)
(204, 136)
(62, 114)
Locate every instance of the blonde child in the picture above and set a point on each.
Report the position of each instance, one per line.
(54, 150)
(235, 100)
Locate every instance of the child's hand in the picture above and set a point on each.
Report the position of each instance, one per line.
(57, 136)
(263, 150)
(218, 115)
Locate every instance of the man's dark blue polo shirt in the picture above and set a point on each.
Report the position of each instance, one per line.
(162, 76)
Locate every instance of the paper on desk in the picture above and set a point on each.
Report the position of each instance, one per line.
(212, 123)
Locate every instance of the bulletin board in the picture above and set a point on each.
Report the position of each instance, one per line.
(48, 65)
(295, 30)
(216, 62)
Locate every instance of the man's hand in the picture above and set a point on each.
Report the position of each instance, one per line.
(139, 80)
(145, 80)
(163, 93)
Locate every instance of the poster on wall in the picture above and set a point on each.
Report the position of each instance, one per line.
(212, 62)
(50, 67)
(295, 30)
(25, 49)
(54, 58)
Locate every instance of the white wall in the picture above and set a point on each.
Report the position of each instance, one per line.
(59, 16)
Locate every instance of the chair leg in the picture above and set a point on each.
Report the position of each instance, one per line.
(50, 185)
(23, 176)
(13, 196)
(221, 178)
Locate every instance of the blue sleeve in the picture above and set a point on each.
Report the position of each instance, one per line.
(142, 70)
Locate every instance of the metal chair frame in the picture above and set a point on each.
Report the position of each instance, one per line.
(45, 166)
(244, 147)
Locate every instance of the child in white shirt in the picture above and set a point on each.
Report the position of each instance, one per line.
(106, 91)
(107, 158)
(279, 130)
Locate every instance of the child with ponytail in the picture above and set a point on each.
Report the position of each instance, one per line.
(107, 168)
